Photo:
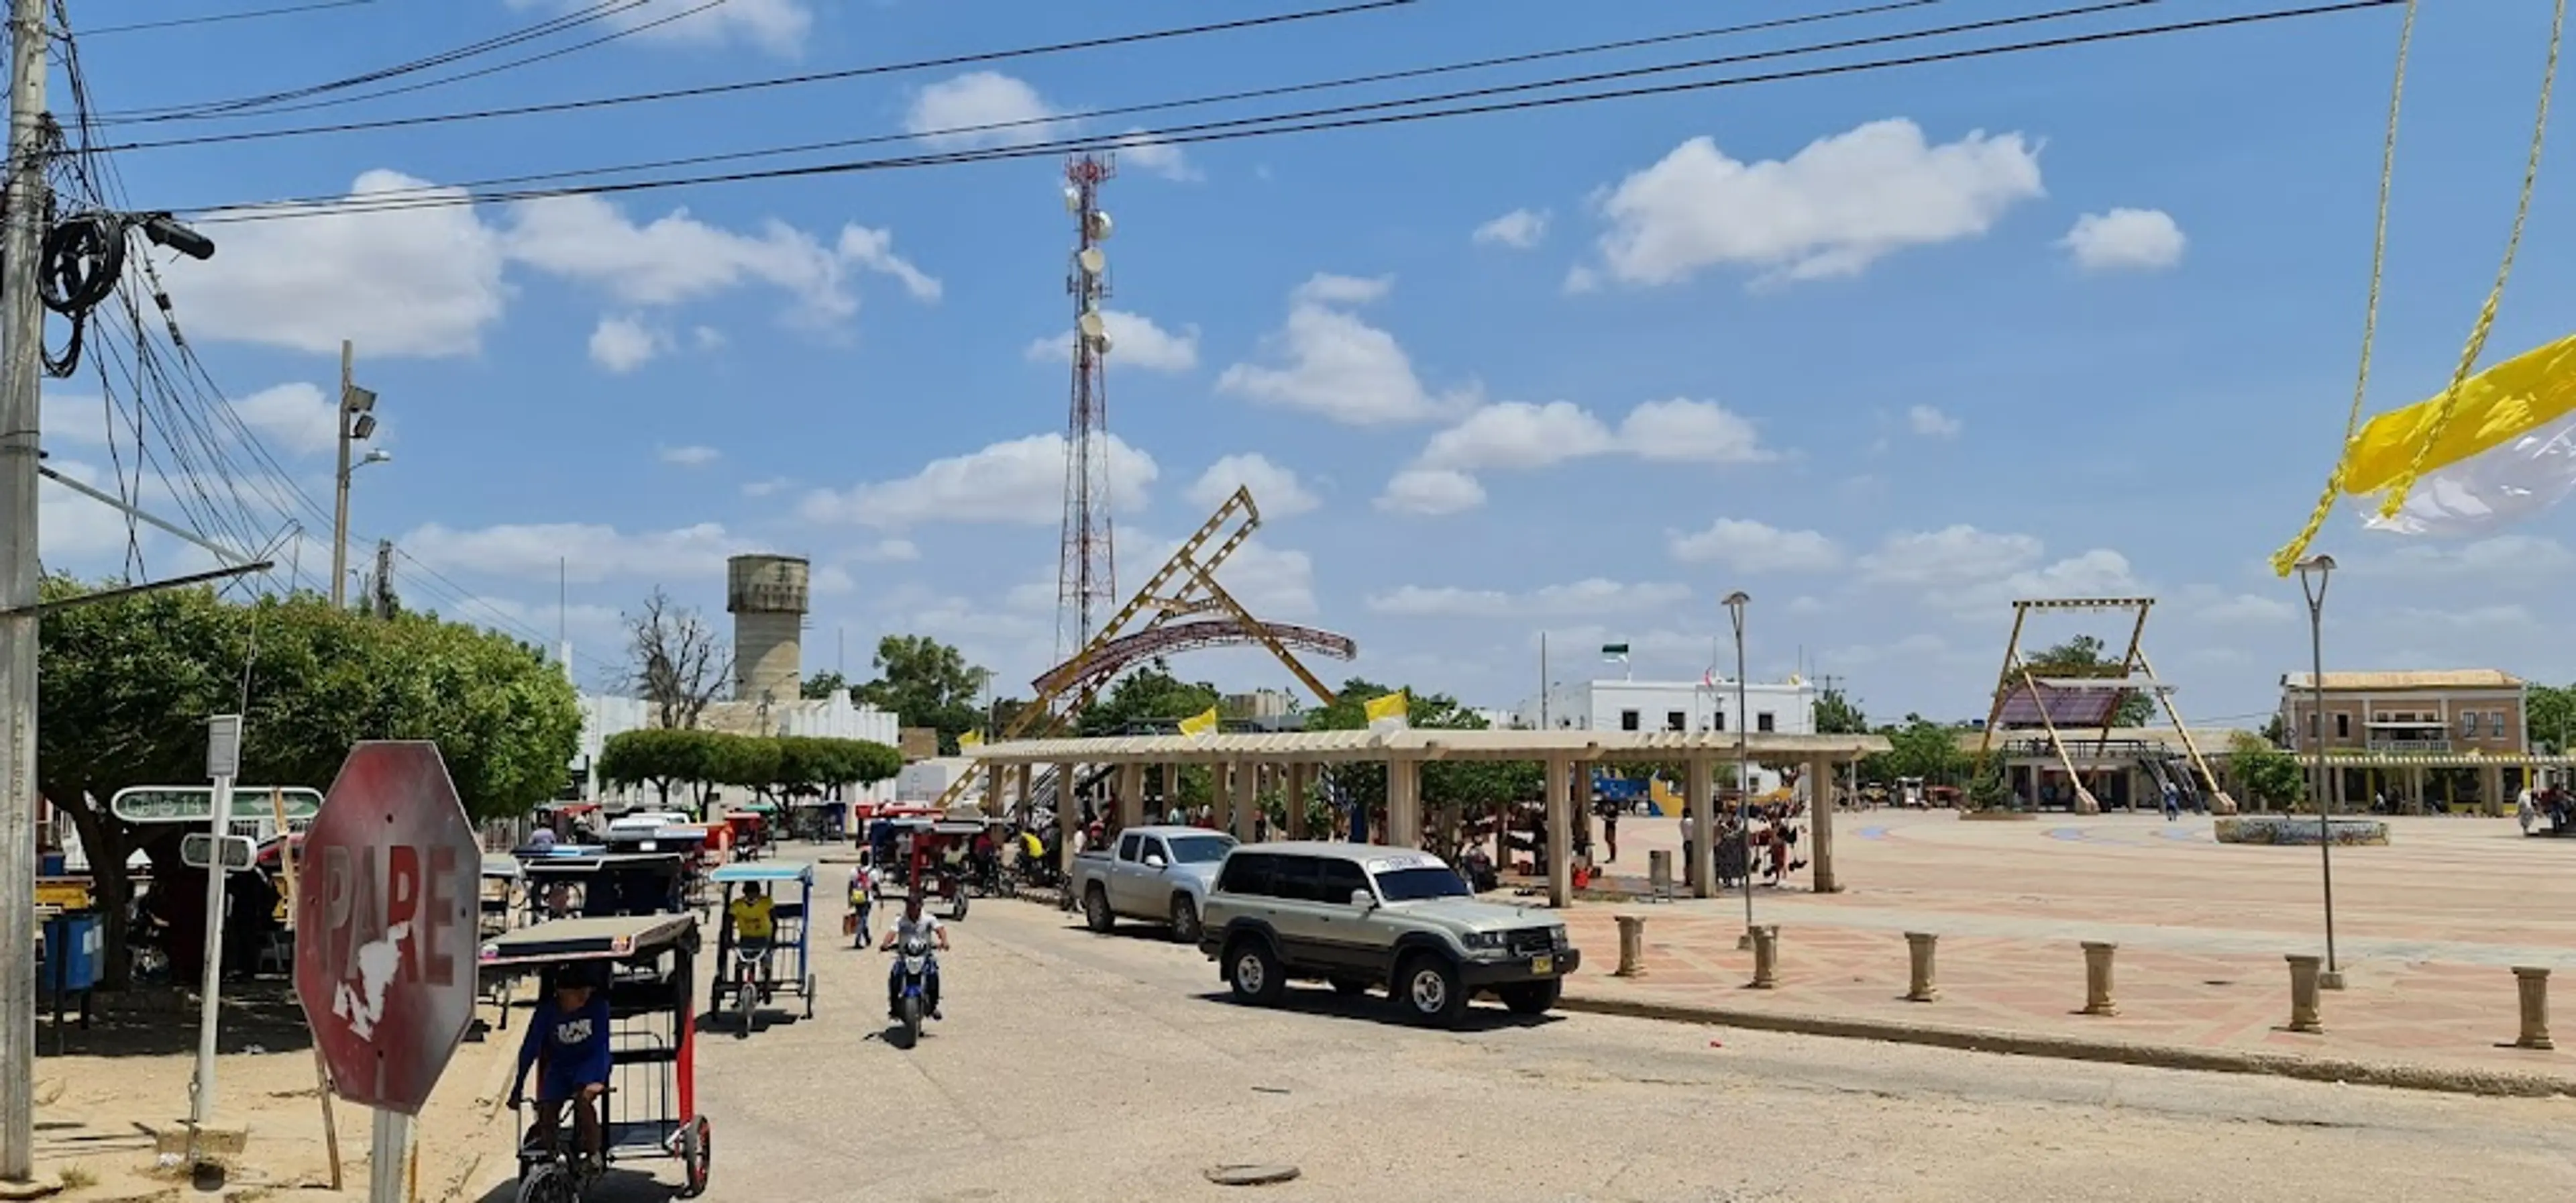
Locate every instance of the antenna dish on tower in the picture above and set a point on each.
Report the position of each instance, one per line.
(1092, 261)
(1073, 200)
(1092, 328)
(1101, 226)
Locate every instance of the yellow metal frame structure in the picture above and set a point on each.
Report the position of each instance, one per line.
(1185, 585)
(2133, 673)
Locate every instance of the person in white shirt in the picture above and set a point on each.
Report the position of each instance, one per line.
(2524, 811)
(915, 922)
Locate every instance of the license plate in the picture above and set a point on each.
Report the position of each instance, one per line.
(1542, 964)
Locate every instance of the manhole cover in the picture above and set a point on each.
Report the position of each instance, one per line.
(1251, 1175)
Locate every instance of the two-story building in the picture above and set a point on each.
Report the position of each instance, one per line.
(2404, 741)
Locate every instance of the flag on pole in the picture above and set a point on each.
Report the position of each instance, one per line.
(1708, 679)
(1202, 723)
(1616, 653)
(1391, 712)
(970, 741)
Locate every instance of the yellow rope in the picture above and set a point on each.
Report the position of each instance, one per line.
(2288, 557)
(2398, 489)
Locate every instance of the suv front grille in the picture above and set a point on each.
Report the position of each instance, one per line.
(1529, 942)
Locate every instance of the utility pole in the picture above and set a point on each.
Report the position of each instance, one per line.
(357, 420)
(22, 333)
(384, 590)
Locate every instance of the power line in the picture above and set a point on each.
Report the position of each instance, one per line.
(1348, 81)
(785, 81)
(220, 18)
(1259, 127)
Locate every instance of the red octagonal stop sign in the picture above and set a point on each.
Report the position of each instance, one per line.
(384, 924)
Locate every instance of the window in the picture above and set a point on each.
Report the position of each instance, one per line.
(2495, 724)
(1254, 873)
(1130, 848)
(2469, 724)
(2343, 725)
(1675, 720)
(1293, 878)
(1718, 721)
(1763, 722)
(2312, 724)
(1413, 885)
(1335, 879)
(1627, 720)
(1200, 849)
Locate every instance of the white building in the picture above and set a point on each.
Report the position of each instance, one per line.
(1788, 708)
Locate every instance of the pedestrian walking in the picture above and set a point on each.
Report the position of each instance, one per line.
(2173, 802)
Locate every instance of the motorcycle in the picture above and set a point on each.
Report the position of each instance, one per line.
(911, 1001)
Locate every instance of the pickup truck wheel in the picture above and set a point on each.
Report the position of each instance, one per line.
(1532, 998)
(1095, 910)
(1253, 973)
(1185, 920)
(1430, 991)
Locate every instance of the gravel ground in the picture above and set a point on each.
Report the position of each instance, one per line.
(1079, 1067)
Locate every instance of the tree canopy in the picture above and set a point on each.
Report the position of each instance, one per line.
(823, 685)
(2084, 656)
(1838, 715)
(1150, 695)
(926, 683)
(2549, 717)
(1919, 747)
(2266, 772)
(788, 765)
(1479, 786)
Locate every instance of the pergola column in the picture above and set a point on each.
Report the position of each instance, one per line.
(1403, 804)
(1020, 802)
(993, 807)
(1820, 801)
(1172, 788)
(1560, 855)
(1301, 781)
(1240, 798)
(1131, 794)
(1068, 819)
(2491, 791)
(1696, 780)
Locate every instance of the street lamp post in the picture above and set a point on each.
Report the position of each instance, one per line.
(2315, 573)
(357, 421)
(1735, 603)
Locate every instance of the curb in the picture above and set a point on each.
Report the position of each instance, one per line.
(2488, 1083)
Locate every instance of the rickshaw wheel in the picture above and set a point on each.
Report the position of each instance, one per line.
(809, 996)
(697, 1158)
(549, 1183)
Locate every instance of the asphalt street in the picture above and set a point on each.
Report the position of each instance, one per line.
(1081, 1067)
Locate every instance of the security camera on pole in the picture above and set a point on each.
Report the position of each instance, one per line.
(357, 420)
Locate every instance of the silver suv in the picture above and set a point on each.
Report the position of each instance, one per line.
(1358, 916)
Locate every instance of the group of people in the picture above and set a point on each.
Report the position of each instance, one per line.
(2552, 803)
(1771, 845)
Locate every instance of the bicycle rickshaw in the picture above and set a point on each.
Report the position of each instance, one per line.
(500, 911)
(605, 883)
(650, 1110)
(749, 980)
(913, 850)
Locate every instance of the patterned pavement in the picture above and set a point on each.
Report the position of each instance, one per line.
(2426, 930)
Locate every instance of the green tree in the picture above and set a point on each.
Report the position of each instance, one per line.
(1921, 748)
(1149, 695)
(2083, 656)
(810, 766)
(2549, 717)
(1837, 715)
(655, 756)
(2266, 772)
(926, 683)
(823, 685)
(126, 685)
(1476, 786)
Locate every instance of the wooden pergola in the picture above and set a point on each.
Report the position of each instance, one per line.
(1243, 761)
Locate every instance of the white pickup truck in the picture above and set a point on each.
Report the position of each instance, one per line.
(1159, 874)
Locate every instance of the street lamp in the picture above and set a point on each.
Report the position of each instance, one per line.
(2314, 574)
(1735, 603)
(357, 421)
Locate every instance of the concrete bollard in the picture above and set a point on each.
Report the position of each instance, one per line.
(2533, 985)
(1918, 982)
(1766, 956)
(1632, 946)
(2303, 993)
(1659, 874)
(2097, 978)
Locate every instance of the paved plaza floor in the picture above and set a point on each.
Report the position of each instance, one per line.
(2427, 929)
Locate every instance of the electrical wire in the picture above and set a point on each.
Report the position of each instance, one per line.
(222, 18)
(1138, 37)
(1341, 117)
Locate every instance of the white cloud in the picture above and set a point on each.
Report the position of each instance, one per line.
(872, 249)
(2245, 609)
(888, 551)
(1020, 482)
(1838, 205)
(1952, 555)
(587, 551)
(2125, 239)
(623, 344)
(1157, 156)
(1275, 488)
(1931, 423)
(676, 258)
(413, 282)
(768, 486)
(63, 419)
(1134, 341)
(1593, 596)
(2517, 555)
(72, 527)
(296, 417)
(1519, 229)
(1337, 366)
(777, 26)
(1686, 431)
(1744, 545)
(691, 456)
(1518, 434)
(1431, 492)
(975, 101)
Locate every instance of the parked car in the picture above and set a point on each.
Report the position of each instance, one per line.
(1361, 916)
(1158, 874)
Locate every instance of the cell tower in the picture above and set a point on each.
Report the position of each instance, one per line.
(1086, 568)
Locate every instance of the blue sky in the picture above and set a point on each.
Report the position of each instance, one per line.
(1885, 350)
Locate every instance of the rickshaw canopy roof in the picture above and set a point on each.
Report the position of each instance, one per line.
(503, 866)
(609, 938)
(730, 874)
(667, 863)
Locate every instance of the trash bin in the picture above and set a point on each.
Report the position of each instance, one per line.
(69, 965)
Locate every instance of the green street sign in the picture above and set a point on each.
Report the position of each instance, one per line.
(196, 803)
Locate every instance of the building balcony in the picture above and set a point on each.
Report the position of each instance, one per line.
(2410, 745)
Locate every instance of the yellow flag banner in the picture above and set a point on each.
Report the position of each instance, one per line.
(970, 741)
(1392, 708)
(1203, 723)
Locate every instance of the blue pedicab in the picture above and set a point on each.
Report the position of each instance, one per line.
(746, 974)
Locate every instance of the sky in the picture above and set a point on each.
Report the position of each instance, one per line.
(1886, 350)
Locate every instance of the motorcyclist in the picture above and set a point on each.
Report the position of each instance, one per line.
(915, 923)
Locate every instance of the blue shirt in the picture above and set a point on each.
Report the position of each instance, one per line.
(569, 1042)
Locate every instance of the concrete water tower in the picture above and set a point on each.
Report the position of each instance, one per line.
(766, 596)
